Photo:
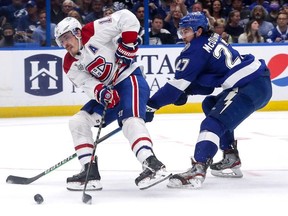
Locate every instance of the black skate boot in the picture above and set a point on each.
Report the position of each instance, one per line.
(229, 166)
(154, 173)
(193, 178)
(77, 182)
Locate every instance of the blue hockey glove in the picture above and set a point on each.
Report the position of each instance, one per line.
(149, 113)
(126, 52)
(181, 100)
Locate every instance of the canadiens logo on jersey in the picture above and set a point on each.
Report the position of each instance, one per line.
(99, 68)
(43, 75)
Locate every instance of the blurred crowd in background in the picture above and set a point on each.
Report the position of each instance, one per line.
(23, 22)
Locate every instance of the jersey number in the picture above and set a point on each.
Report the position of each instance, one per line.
(182, 64)
(221, 48)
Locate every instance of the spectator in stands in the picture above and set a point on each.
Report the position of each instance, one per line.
(67, 6)
(41, 4)
(259, 13)
(108, 3)
(85, 7)
(239, 5)
(273, 11)
(251, 34)
(130, 3)
(117, 5)
(177, 6)
(167, 7)
(39, 34)
(216, 10)
(206, 4)
(158, 35)
(28, 23)
(107, 11)
(189, 4)
(198, 6)
(219, 28)
(280, 33)
(139, 13)
(233, 27)
(227, 5)
(153, 9)
(13, 12)
(263, 3)
(7, 36)
(172, 24)
(57, 13)
(76, 15)
(284, 8)
(97, 6)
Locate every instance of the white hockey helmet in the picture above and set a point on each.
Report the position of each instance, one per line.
(68, 24)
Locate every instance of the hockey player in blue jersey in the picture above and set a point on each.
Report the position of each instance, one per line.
(208, 62)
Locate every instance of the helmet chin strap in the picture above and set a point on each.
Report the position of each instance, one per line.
(79, 45)
(74, 32)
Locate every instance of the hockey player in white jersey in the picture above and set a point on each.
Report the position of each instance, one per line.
(100, 60)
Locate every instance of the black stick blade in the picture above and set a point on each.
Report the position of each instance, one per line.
(17, 180)
(86, 198)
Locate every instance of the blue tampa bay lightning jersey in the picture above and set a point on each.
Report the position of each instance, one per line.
(276, 33)
(208, 62)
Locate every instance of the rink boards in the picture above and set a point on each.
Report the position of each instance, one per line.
(33, 83)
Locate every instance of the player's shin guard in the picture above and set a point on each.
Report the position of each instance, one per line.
(154, 172)
(192, 178)
(229, 166)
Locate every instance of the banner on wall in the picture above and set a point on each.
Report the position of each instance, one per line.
(36, 78)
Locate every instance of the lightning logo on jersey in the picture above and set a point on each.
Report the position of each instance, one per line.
(228, 100)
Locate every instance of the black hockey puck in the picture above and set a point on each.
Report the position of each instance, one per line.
(38, 199)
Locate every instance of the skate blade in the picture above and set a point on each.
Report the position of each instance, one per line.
(94, 185)
(177, 184)
(148, 182)
(227, 173)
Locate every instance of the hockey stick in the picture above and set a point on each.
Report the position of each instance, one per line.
(22, 180)
(86, 198)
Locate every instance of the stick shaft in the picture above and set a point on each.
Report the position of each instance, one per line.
(22, 180)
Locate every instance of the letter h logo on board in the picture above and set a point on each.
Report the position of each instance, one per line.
(43, 75)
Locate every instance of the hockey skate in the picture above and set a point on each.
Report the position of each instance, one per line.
(192, 178)
(77, 182)
(154, 173)
(229, 166)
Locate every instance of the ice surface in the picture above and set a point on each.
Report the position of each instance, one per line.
(32, 145)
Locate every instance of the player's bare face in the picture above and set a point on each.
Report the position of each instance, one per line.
(187, 34)
(70, 43)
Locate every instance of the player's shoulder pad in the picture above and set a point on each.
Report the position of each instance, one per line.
(87, 32)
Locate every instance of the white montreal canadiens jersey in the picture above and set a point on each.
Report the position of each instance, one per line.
(95, 63)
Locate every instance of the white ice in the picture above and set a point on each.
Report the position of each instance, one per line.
(32, 145)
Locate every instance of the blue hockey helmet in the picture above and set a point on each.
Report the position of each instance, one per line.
(194, 20)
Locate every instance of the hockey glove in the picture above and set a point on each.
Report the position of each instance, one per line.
(149, 113)
(126, 52)
(105, 95)
(181, 100)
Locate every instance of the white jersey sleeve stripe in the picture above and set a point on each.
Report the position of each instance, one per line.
(180, 84)
(240, 74)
